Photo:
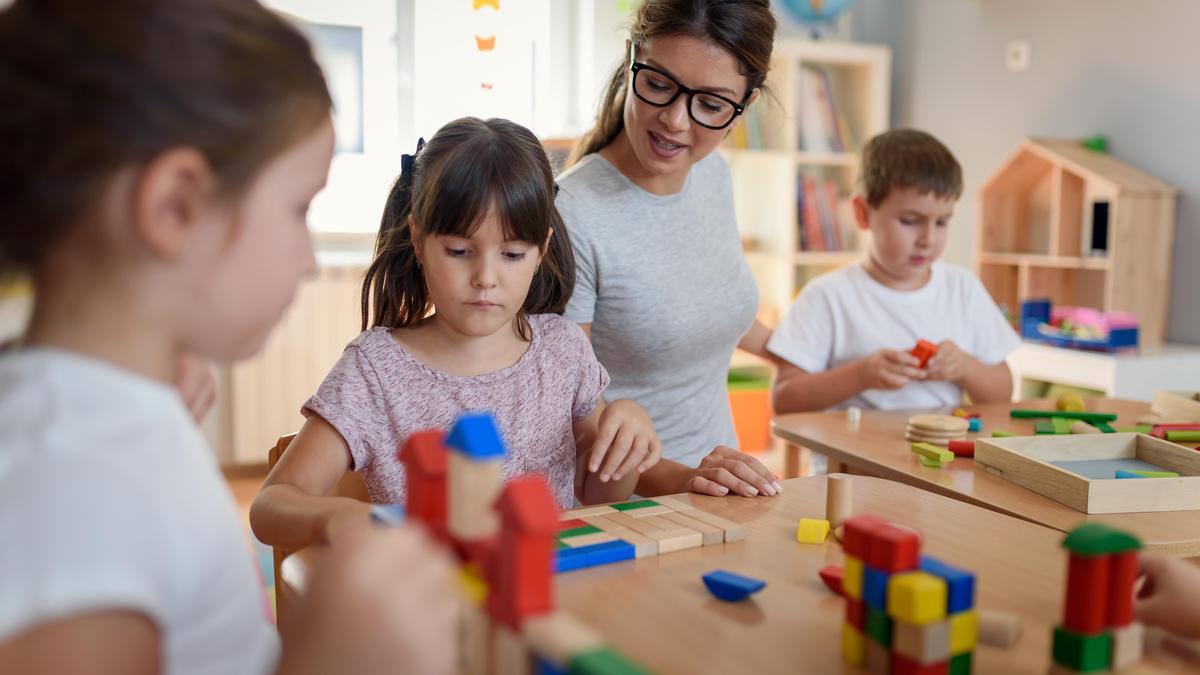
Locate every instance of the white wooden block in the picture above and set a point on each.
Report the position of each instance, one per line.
(600, 510)
(733, 531)
(676, 503)
(472, 488)
(676, 540)
(649, 511)
(1127, 645)
(557, 636)
(510, 656)
(710, 534)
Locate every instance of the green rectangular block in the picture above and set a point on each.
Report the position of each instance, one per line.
(1082, 653)
(640, 504)
(602, 661)
(1145, 428)
(1061, 426)
(961, 664)
(1050, 414)
(879, 627)
(932, 452)
(1001, 433)
(1044, 427)
(1186, 436)
(1105, 427)
(577, 531)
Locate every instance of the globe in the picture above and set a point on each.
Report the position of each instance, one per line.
(815, 11)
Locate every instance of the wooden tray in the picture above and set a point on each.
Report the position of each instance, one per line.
(1026, 461)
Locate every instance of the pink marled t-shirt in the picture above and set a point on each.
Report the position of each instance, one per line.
(378, 393)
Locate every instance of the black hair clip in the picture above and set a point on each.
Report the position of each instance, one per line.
(555, 189)
(407, 161)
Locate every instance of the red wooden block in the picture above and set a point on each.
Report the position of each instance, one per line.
(924, 351)
(832, 576)
(903, 666)
(1087, 594)
(962, 448)
(856, 533)
(856, 613)
(1123, 574)
(894, 549)
(571, 524)
(424, 458)
(521, 578)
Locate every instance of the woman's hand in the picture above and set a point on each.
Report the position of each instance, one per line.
(725, 469)
(625, 441)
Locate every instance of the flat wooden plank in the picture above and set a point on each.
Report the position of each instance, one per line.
(643, 546)
(676, 540)
(733, 531)
(676, 502)
(651, 511)
(710, 534)
(641, 525)
(589, 539)
(600, 510)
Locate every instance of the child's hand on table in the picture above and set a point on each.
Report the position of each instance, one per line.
(724, 470)
(1170, 595)
(625, 441)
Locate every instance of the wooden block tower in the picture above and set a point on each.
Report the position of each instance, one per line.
(476, 453)
(905, 614)
(1098, 632)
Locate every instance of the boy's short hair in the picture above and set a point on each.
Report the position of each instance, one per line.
(908, 158)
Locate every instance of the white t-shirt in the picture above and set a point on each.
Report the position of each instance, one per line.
(845, 315)
(111, 500)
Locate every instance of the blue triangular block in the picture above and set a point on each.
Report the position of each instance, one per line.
(476, 436)
(731, 587)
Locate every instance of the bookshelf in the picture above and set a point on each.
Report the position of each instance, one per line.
(1082, 228)
(827, 99)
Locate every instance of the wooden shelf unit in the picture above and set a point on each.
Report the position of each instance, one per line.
(766, 179)
(1060, 221)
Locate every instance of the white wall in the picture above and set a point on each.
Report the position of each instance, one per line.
(1122, 69)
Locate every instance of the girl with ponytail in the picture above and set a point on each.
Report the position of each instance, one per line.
(462, 311)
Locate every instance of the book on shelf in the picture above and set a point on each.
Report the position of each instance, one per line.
(821, 126)
(821, 216)
(747, 133)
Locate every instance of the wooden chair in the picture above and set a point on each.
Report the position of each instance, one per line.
(351, 485)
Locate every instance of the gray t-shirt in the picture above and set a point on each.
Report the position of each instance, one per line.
(666, 287)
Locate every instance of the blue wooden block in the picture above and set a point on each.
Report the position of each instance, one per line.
(974, 424)
(960, 584)
(567, 559)
(389, 515)
(610, 552)
(1122, 473)
(543, 667)
(476, 436)
(731, 587)
(875, 584)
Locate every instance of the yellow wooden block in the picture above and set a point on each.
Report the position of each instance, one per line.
(916, 597)
(964, 631)
(854, 645)
(471, 584)
(812, 531)
(852, 578)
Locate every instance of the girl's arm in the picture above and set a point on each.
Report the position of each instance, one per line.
(292, 510)
(110, 642)
(614, 445)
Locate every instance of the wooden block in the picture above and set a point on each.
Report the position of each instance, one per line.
(839, 496)
(852, 579)
(733, 531)
(854, 645)
(1086, 610)
(650, 511)
(557, 636)
(589, 539)
(600, 510)
(640, 525)
(812, 531)
(998, 629)
(472, 488)
(475, 639)
(879, 659)
(1081, 427)
(923, 644)
(676, 540)
(1181, 406)
(932, 452)
(676, 503)
(964, 631)
(643, 546)
(1127, 645)
(831, 576)
(894, 549)
(710, 534)
(509, 654)
(916, 597)
(603, 522)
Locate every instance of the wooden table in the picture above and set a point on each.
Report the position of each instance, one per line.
(878, 448)
(657, 612)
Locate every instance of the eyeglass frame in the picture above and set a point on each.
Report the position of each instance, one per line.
(634, 67)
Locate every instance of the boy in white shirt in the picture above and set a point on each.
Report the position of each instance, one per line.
(847, 339)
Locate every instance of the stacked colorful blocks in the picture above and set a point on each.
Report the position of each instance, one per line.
(1098, 632)
(905, 614)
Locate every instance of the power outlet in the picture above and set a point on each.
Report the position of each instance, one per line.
(1018, 56)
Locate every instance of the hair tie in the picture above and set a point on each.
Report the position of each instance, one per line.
(408, 162)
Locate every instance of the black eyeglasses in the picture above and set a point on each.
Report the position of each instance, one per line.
(657, 88)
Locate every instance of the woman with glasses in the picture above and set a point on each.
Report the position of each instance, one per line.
(662, 286)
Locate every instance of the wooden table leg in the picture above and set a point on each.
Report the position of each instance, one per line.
(791, 460)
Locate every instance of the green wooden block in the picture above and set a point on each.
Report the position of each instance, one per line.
(1082, 653)
(1092, 539)
(931, 463)
(1184, 435)
(1061, 425)
(1044, 427)
(1156, 474)
(602, 661)
(933, 452)
(1001, 433)
(1105, 427)
(1145, 428)
(1132, 430)
(1050, 414)
(879, 626)
(640, 504)
(577, 531)
(961, 664)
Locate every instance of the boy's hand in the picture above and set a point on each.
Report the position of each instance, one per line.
(725, 469)
(950, 363)
(625, 441)
(1170, 596)
(889, 369)
(379, 597)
